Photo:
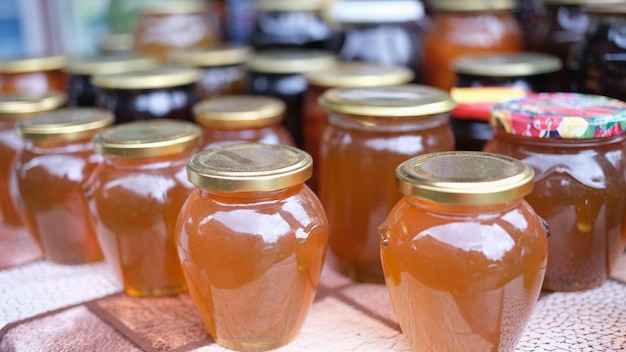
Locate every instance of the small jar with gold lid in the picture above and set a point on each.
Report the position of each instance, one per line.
(167, 92)
(135, 196)
(463, 251)
(48, 177)
(252, 239)
(370, 131)
(33, 75)
(242, 119)
(223, 66)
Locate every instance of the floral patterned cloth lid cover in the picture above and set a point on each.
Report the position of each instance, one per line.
(560, 115)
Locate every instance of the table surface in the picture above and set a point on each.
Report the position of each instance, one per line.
(49, 307)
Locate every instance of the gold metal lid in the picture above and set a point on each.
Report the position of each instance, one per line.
(292, 61)
(580, 2)
(249, 167)
(117, 43)
(289, 5)
(239, 112)
(67, 124)
(392, 101)
(224, 54)
(507, 64)
(472, 5)
(168, 7)
(32, 64)
(360, 74)
(148, 138)
(465, 178)
(108, 64)
(160, 77)
(606, 9)
(23, 105)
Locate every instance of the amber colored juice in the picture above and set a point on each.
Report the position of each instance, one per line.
(10, 145)
(463, 278)
(34, 82)
(313, 125)
(252, 262)
(135, 203)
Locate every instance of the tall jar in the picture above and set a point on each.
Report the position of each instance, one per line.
(597, 63)
(347, 74)
(33, 75)
(462, 251)
(461, 27)
(484, 80)
(242, 119)
(48, 178)
(252, 238)
(577, 146)
(135, 196)
(167, 92)
(370, 131)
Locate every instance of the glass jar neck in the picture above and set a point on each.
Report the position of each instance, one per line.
(249, 196)
(154, 162)
(453, 210)
(387, 124)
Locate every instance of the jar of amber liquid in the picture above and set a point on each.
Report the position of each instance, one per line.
(484, 80)
(461, 27)
(462, 251)
(80, 90)
(33, 75)
(223, 68)
(252, 239)
(49, 175)
(370, 132)
(347, 74)
(577, 146)
(135, 196)
(242, 119)
(161, 93)
(13, 232)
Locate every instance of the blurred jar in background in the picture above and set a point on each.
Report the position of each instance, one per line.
(166, 26)
(223, 67)
(281, 24)
(461, 27)
(115, 44)
(382, 32)
(48, 178)
(242, 119)
(33, 75)
(597, 64)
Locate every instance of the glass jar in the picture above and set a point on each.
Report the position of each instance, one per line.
(80, 90)
(33, 75)
(223, 66)
(166, 26)
(162, 93)
(370, 131)
(116, 44)
(382, 32)
(577, 146)
(463, 251)
(597, 63)
(48, 177)
(135, 196)
(242, 119)
(288, 24)
(347, 74)
(461, 27)
(252, 238)
(280, 73)
(487, 79)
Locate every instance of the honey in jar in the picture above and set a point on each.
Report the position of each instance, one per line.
(242, 119)
(49, 175)
(576, 144)
(252, 238)
(167, 92)
(33, 75)
(135, 196)
(370, 132)
(463, 253)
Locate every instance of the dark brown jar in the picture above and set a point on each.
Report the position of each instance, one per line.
(280, 73)
(33, 75)
(164, 92)
(224, 70)
(486, 79)
(80, 91)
